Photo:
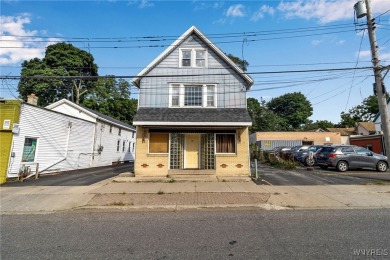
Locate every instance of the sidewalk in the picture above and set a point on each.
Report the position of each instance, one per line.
(125, 195)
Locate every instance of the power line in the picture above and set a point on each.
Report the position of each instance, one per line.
(185, 75)
(167, 45)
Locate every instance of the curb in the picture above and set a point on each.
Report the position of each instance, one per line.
(265, 206)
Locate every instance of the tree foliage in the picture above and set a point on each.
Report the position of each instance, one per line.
(293, 108)
(262, 118)
(112, 97)
(243, 64)
(319, 124)
(60, 60)
(360, 113)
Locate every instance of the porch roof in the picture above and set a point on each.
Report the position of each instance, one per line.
(192, 117)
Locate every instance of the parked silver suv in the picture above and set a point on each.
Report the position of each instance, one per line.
(346, 157)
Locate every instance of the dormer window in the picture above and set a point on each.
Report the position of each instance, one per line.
(196, 58)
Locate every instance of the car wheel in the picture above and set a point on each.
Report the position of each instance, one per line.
(381, 166)
(323, 167)
(309, 161)
(342, 166)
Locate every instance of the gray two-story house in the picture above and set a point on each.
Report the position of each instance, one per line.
(192, 115)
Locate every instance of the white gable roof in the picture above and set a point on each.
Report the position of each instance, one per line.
(85, 113)
(173, 46)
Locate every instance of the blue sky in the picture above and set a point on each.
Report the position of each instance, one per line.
(271, 35)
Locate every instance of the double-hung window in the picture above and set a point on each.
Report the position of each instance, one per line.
(193, 95)
(196, 58)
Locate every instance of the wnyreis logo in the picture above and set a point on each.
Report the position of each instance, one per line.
(372, 252)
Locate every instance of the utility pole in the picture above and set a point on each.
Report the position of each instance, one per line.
(380, 91)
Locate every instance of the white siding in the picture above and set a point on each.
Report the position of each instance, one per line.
(109, 142)
(73, 111)
(62, 140)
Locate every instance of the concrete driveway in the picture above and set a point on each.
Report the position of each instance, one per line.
(82, 177)
(302, 176)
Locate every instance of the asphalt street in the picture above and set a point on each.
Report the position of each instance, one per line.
(83, 177)
(251, 234)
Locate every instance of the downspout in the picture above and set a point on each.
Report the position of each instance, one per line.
(66, 150)
(93, 146)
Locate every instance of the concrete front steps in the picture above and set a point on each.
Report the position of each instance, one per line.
(182, 176)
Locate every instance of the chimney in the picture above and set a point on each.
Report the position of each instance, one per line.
(32, 99)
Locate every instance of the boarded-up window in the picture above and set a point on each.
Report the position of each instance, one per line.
(226, 143)
(158, 143)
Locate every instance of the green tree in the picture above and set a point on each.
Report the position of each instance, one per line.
(322, 124)
(360, 113)
(60, 60)
(243, 64)
(262, 118)
(112, 97)
(293, 108)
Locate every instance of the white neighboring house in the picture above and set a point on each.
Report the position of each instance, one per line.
(54, 140)
(113, 140)
(377, 120)
(60, 141)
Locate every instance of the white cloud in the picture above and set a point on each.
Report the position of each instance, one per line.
(236, 11)
(259, 14)
(363, 54)
(20, 40)
(207, 5)
(145, 4)
(326, 11)
(316, 42)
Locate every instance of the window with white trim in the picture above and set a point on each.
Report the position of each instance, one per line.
(29, 149)
(192, 95)
(196, 58)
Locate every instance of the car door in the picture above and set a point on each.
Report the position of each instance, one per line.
(365, 157)
(349, 155)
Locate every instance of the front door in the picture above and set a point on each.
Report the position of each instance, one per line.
(192, 151)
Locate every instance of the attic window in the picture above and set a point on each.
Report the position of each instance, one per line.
(196, 58)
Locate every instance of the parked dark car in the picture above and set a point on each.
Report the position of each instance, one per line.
(289, 154)
(306, 157)
(298, 153)
(346, 157)
(280, 150)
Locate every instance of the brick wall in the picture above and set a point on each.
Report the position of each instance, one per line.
(238, 164)
(148, 164)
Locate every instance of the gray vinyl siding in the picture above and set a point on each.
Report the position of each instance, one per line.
(154, 91)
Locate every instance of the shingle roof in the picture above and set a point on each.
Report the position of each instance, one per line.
(343, 131)
(369, 126)
(108, 118)
(203, 116)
